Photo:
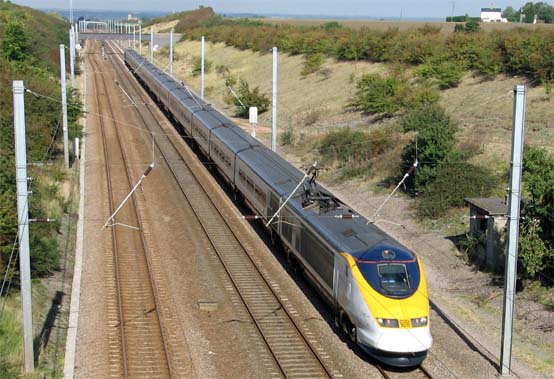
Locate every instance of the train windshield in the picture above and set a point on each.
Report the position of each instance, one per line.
(394, 278)
(390, 270)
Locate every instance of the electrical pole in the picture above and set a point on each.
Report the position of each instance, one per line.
(202, 68)
(23, 221)
(171, 52)
(513, 230)
(140, 39)
(452, 12)
(134, 37)
(64, 106)
(274, 104)
(72, 55)
(152, 44)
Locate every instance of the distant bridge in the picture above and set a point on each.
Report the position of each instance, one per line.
(160, 39)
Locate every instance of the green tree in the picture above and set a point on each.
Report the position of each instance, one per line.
(432, 145)
(454, 182)
(537, 227)
(15, 45)
(511, 14)
(377, 94)
(472, 27)
(250, 98)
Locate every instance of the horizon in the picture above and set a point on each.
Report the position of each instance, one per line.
(395, 9)
(159, 13)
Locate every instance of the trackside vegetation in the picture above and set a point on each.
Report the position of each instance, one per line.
(514, 52)
(29, 51)
(420, 63)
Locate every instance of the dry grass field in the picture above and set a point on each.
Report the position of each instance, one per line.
(309, 106)
(383, 25)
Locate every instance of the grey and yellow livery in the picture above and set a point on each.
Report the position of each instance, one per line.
(376, 286)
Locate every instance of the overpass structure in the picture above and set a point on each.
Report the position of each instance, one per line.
(160, 39)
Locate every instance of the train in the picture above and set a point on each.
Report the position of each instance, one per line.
(375, 285)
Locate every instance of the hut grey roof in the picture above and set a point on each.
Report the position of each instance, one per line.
(491, 10)
(493, 206)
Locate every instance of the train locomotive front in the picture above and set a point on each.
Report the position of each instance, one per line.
(382, 291)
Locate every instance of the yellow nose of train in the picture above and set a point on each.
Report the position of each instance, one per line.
(393, 299)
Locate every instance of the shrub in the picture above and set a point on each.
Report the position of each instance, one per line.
(74, 112)
(312, 116)
(332, 25)
(353, 148)
(287, 137)
(537, 229)
(421, 96)
(222, 70)
(533, 250)
(197, 66)
(376, 94)
(15, 44)
(312, 63)
(446, 73)
(469, 27)
(453, 182)
(250, 98)
(435, 142)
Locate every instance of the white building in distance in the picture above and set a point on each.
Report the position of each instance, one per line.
(492, 15)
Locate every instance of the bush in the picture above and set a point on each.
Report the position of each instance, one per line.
(250, 98)
(376, 94)
(537, 229)
(454, 181)
(353, 150)
(521, 52)
(447, 74)
(74, 112)
(312, 63)
(435, 142)
(222, 70)
(197, 66)
(287, 137)
(469, 27)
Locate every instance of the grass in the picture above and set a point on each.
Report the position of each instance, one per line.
(11, 348)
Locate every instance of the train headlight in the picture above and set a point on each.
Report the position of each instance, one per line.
(418, 322)
(388, 322)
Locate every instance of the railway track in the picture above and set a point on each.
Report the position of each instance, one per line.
(138, 347)
(291, 349)
(419, 373)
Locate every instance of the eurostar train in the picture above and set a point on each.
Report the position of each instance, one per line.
(376, 286)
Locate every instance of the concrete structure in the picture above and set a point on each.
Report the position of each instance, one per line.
(492, 15)
(488, 220)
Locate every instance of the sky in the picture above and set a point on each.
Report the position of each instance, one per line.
(361, 8)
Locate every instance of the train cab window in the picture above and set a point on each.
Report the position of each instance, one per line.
(394, 278)
(389, 270)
